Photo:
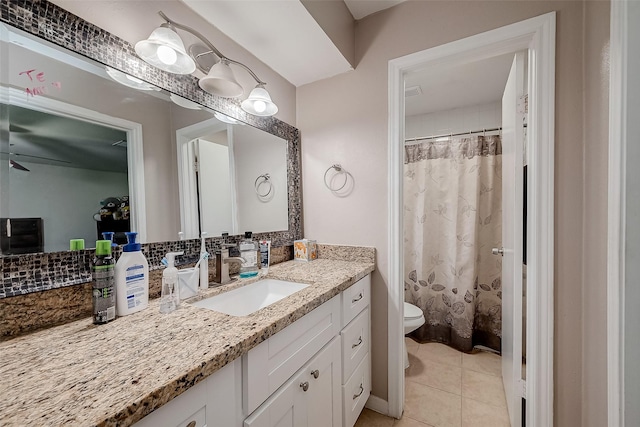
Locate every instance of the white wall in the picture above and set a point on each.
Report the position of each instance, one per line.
(465, 119)
(632, 255)
(65, 198)
(344, 120)
(256, 155)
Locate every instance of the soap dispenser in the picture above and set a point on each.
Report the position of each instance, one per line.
(170, 297)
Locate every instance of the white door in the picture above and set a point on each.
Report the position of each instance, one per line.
(215, 187)
(512, 229)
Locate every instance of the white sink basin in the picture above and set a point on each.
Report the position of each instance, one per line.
(251, 298)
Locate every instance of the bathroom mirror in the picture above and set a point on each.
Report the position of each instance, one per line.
(134, 142)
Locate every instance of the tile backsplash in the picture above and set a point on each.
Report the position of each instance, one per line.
(30, 273)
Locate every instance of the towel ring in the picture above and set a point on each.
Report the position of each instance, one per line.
(338, 169)
(266, 178)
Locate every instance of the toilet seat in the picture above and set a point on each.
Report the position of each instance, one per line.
(411, 312)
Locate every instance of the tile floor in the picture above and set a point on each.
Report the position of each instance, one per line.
(447, 388)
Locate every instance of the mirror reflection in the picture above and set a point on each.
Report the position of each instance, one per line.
(88, 154)
(238, 176)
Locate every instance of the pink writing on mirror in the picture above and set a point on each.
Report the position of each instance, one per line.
(38, 76)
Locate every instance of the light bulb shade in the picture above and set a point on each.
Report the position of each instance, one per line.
(226, 119)
(164, 49)
(130, 81)
(184, 103)
(221, 81)
(259, 103)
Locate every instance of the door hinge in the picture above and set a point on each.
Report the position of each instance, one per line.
(523, 388)
(522, 106)
(195, 165)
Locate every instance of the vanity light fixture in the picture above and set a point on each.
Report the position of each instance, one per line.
(259, 102)
(184, 103)
(226, 119)
(129, 81)
(165, 49)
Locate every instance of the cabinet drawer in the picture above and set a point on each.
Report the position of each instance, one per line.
(355, 343)
(267, 366)
(179, 412)
(355, 299)
(356, 392)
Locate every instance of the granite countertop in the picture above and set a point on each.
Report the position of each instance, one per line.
(115, 374)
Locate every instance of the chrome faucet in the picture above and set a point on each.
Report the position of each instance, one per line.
(222, 264)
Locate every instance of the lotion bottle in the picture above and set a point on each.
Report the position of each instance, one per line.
(132, 278)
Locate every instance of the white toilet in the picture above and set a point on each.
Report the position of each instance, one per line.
(413, 319)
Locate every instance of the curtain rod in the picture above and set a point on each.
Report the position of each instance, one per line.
(420, 138)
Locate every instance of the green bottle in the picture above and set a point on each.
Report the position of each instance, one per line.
(104, 284)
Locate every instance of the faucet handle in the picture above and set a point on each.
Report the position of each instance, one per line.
(224, 249)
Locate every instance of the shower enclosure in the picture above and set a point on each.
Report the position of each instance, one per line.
(452, 220)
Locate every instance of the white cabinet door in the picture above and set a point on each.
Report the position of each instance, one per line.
(512, 193)
(311, 398)
(285, 408)
(324, 405)
(270, 364)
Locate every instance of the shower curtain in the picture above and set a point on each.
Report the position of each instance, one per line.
(452, 220)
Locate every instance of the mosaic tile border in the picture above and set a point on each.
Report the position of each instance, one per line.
(25, 274)
(38, 272)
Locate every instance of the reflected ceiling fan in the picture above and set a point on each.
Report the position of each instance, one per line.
(18, 166)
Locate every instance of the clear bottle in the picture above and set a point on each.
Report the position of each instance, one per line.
(248, 251)
(170, 298)
(104, 284)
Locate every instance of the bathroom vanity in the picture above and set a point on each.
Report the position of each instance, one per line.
(305, 357)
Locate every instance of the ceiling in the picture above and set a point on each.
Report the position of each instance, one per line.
(284, 35)
(447, 88)
(361, 8)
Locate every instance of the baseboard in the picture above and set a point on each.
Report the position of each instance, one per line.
(377, 404)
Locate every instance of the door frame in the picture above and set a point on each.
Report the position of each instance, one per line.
(617, 182)
(537, 35)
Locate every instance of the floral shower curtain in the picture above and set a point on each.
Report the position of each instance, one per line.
(452, 220)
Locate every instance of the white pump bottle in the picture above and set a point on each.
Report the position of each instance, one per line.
(132, 278)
